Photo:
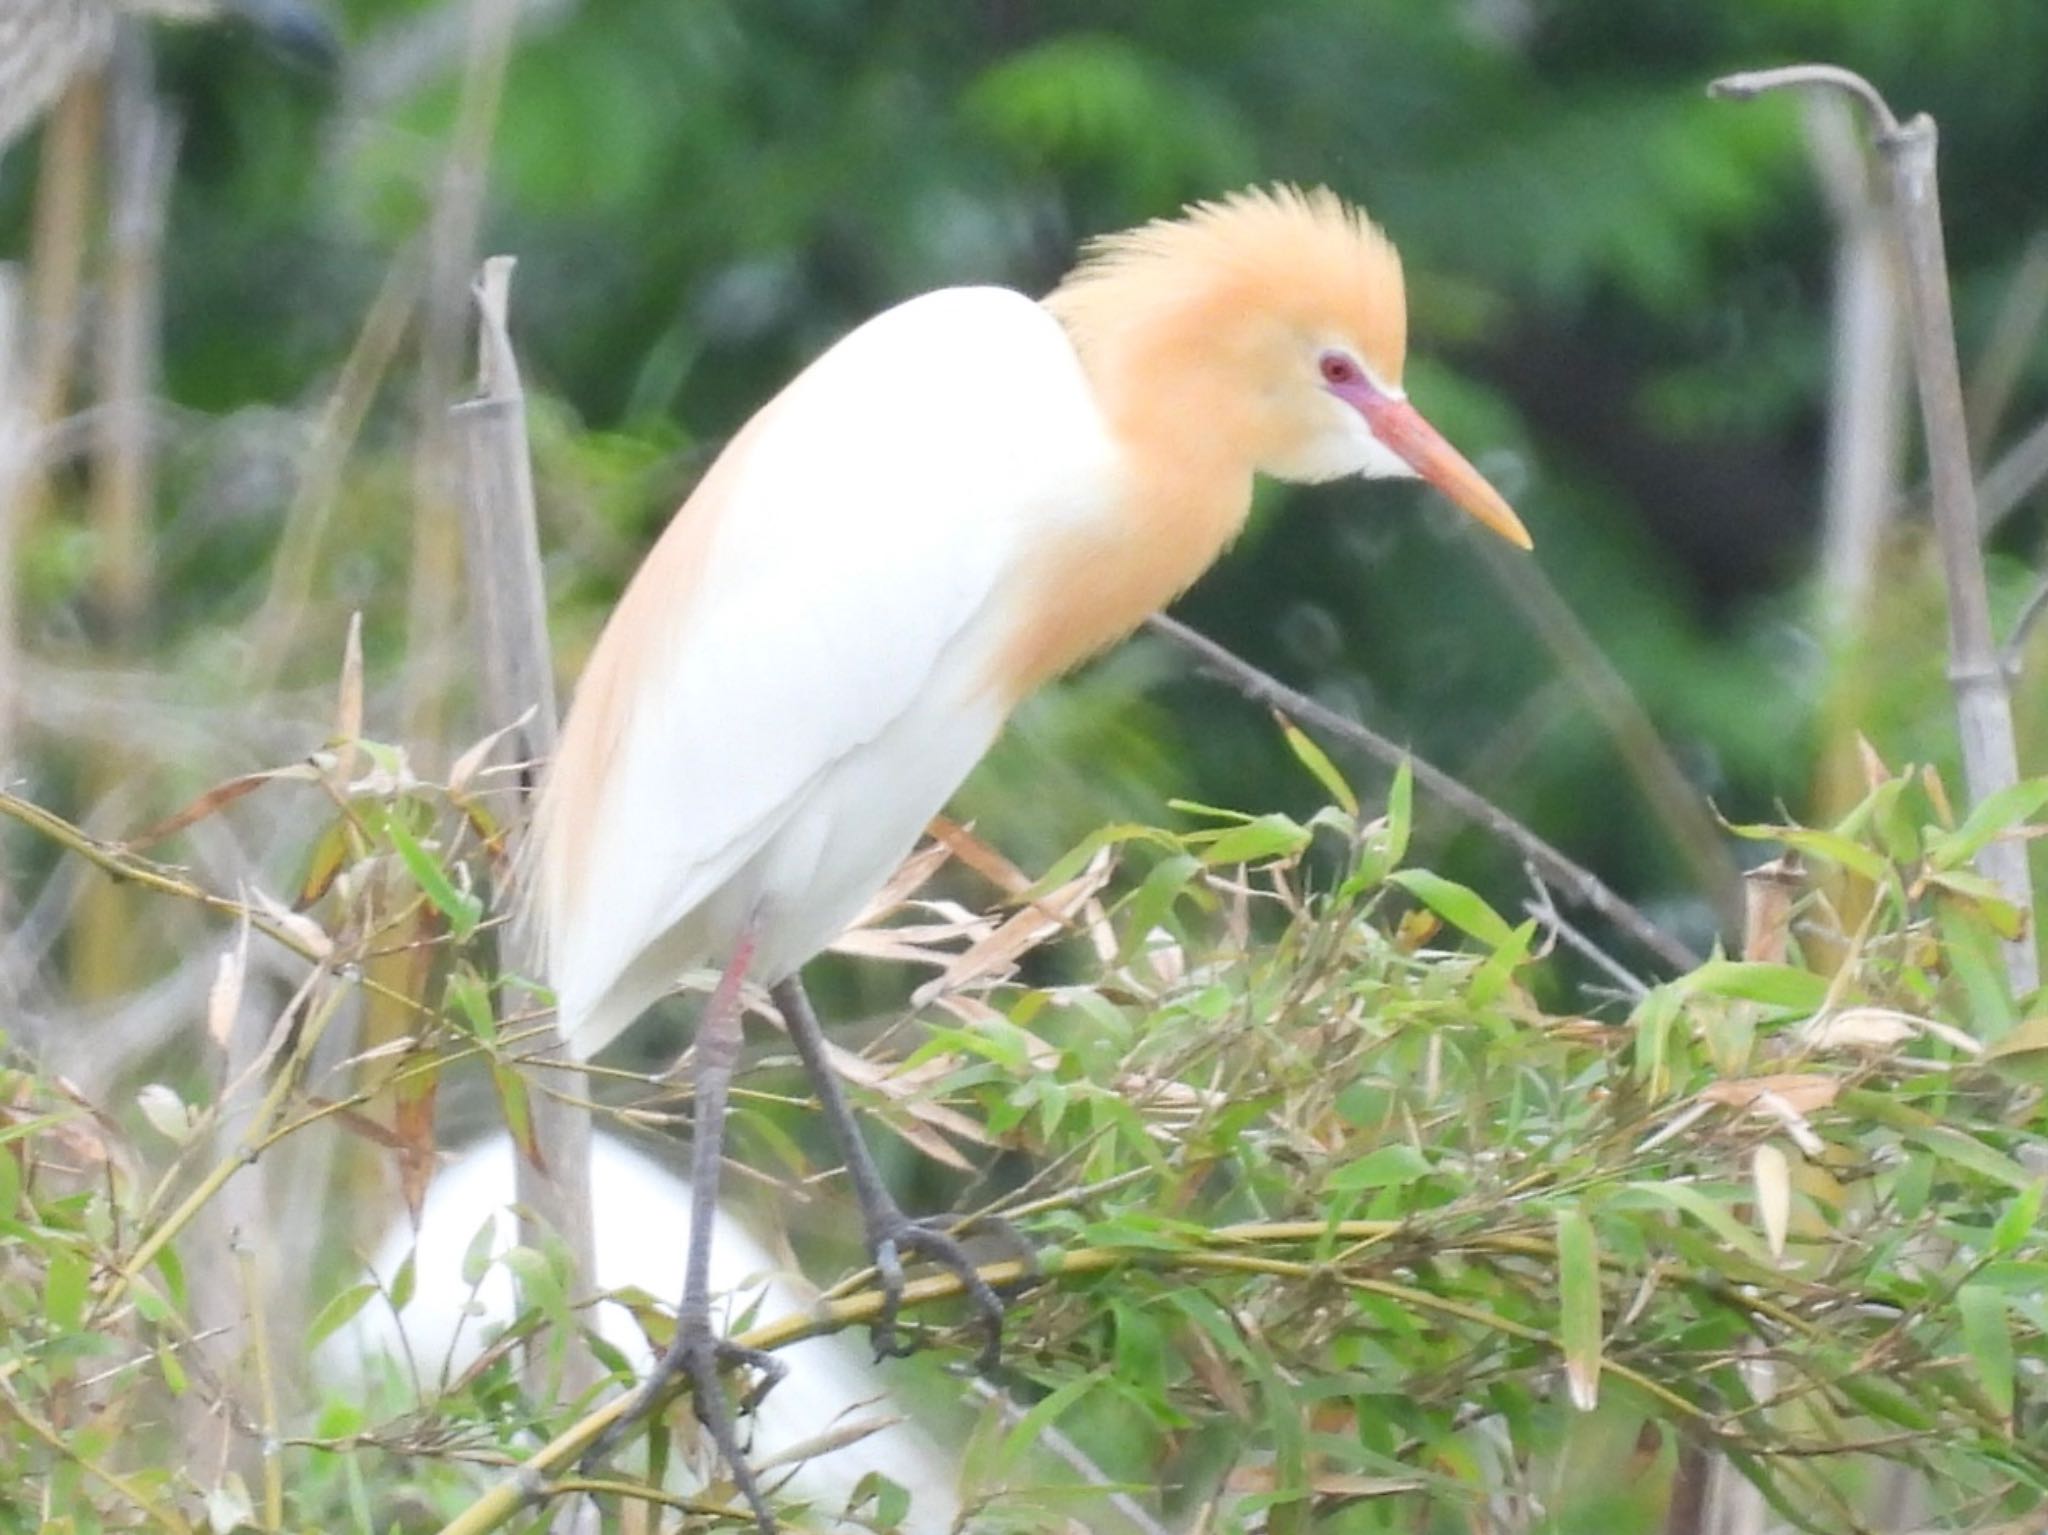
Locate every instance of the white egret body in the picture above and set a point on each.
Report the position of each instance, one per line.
(964, 497)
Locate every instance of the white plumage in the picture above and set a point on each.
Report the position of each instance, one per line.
(859, 532)
(641, 1226)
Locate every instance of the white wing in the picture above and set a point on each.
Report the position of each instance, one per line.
(823, 605)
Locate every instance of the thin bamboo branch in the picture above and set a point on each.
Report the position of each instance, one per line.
(1235, 1249)
(1982, 687)
(65, 181)
(292, 570)
(1676, 802)
(508, 609)
(451, 258)
(1866, 400)
(2008, 349)
(1577, 884)
(2030, 614)
(2020, 471)
(142, 147)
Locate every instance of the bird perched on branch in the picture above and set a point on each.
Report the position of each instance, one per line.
(963, 498)
(46, 44)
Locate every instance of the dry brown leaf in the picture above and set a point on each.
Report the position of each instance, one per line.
(348, 708)
(909, 878)
(838, 1437)
(224, 996)
(1875, 774)
(413, 1128)
(998, 953)
(310, 935)
(214, 800)
(927, 1140)
(979, 856)
(905, 1089)
(1877, 1028)
(1803, 1135)
(467, 765)
(168, 1114)
(1803, 1091)
(1333, 1484)
(1937, 794)
(1772, 1175)
(1857, 1028)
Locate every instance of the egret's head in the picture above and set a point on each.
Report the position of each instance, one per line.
(1282, 313)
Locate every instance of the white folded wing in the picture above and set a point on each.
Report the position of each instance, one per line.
(801, 673)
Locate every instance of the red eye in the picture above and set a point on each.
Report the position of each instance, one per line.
(1339, 369)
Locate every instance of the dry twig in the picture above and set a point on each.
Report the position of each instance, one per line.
(1579, 885)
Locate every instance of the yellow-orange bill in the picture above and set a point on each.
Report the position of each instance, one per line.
(1401, 427)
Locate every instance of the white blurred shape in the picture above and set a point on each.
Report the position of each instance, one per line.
(642, 1227)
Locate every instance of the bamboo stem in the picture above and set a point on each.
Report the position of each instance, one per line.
(1982, 686)
(508, 609)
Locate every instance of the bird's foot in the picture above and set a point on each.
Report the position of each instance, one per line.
(895, 1236)
(698, 1356)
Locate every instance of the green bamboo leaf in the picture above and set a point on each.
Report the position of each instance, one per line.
(1382, 1168)
(476, 1257)
(462, 909)
(1830, 847)
(1999, 914)
(1987, 1338)
(1076, 858)
(1151, 905)
(1464, 909)
(1578, 1290)
(1317, 761)
(1967, 1151)
(172, 1371)
(1400, 812)
(511, 1088)
(1994, 815)
(1043, 1415)
(1712, 1214)
(2017, 1221)
(1782, 986)
(404, 1281)
(336, 1314)
(1269, 836)
(65, 1282)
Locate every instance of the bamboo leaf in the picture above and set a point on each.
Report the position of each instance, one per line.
(1381, 1168)
(338, 1312)
(1772, 1175)
(462, 909)
(1464, 909)
(1994, 815)
(1987, 1338)
(1578, 1285)
(1317, 761)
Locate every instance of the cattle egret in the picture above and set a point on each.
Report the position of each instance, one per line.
(966, 496)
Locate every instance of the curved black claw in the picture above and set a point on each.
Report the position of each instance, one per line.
(904, 1236)
(698, 1356)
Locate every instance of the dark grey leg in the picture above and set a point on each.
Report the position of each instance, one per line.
(891, 1234)
(696, 1352)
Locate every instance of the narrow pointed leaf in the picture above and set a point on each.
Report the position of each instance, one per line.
(1578, 1288)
